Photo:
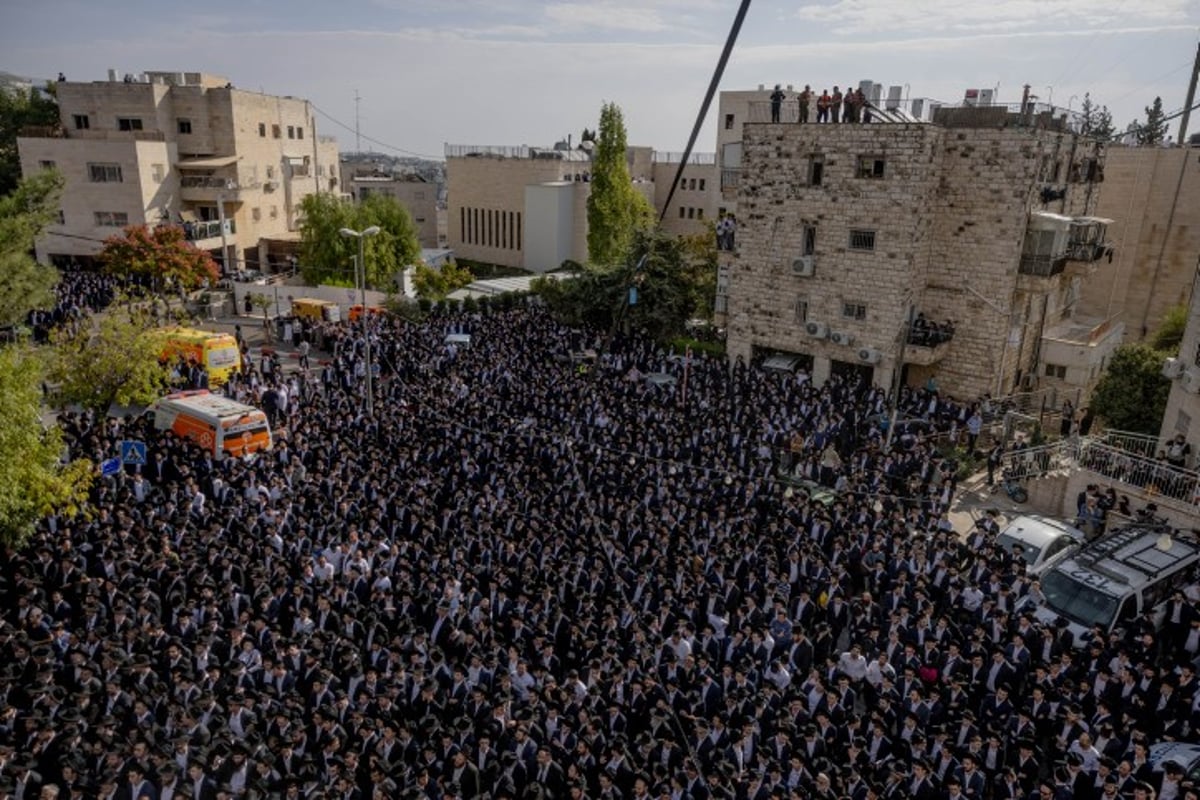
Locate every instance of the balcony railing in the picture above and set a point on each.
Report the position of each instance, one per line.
(212, 182)
(195, 231)
(57, 132)
(702, 159)
(923, 109)
(1043, 266)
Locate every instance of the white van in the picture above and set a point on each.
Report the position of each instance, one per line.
(1111, 582)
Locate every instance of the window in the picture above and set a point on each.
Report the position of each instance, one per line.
(158, 172)
(862, 240)
(729, 122)
(275, 132)
(1056, 371)
(810, 241)
(692, 184)
(62, 220)
(691, 213)
(699, 213)
(46, 164)
(104, 173)
(800, 311)
(129, 124)
(870, 167)
(682, 212)
(299, 132)
(262, 129)
(854, 311)
(274, 212)
(256, 214)
(82, 123)
(270, 171)
(184, 125)
(111, 219)
(291, 132)
(702, 184)
(816, 170)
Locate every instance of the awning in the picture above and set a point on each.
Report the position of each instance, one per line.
(212, 162)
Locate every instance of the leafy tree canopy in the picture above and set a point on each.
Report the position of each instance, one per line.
(20, 109)
(115, 360)
(1132, 393)
(24, 215)
(160, 258)
(675, 282)
(1096, 121)
(1152, 131)
(1170, 331)
(615, 209)
(326, 254)
(33, 480)
(436, 283)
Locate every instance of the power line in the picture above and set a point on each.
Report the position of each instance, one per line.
(357, 135)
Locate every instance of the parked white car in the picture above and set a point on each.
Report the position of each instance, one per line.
(1042, 541)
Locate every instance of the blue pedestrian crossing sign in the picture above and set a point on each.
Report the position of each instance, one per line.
(133, 452)
(110, 466)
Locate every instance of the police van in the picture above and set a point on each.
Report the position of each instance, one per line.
(1109, 583)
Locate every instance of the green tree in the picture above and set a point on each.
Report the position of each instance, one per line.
(161, 259)
(1096, 121)
(114, 360)
(1154, 129)
(1132, 393)
(20, 109)
(615, 209)
(33, 479)
(326, 254)
(587, 135)
(24, 214)
(1170, 331)
(675, 281)
(435, 283)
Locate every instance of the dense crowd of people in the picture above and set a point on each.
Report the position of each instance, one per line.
(525, 579)
(78, 293)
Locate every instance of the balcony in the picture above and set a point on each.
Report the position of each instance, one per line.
(1043, 266)
(207, 235)
(57, 132)
(210, 188)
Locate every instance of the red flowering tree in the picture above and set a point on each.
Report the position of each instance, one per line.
(160, 259)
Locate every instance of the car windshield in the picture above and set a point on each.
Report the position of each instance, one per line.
(1077, 601)
(1029, 552)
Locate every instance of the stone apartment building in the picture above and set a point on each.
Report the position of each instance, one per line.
(981, 217)
(1183, 404)
(413, 192)
(230, 165)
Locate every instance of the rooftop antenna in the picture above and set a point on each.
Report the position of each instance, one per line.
(357, 132)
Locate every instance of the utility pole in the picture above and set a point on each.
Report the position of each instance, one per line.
(1191, 98)
(357, 132)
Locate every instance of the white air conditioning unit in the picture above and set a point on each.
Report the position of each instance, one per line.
(842, 338)
(817, 330)
(803, 266)
(1191, 381)
(1172, 368)
(869, 355)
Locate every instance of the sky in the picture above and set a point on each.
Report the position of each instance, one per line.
(510, 72)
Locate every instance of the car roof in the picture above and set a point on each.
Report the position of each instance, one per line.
(1181, 753)
(1038, 531)
(1131, 558)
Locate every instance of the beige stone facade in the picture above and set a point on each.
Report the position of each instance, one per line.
(1152, 194)
(1183, 405)
(417, 196)
(232, 165)
(495, 215)
(921, 217)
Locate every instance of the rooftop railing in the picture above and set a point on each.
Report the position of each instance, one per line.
(703, 159)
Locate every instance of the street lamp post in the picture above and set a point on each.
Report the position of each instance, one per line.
(361, 270)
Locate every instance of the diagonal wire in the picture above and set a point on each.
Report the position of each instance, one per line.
(708, 98)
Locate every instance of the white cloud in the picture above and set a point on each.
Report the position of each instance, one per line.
(847, 18)
(594, 16)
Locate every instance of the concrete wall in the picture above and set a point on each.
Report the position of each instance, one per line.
(1183, 405)
(418, 197)
(1156, 255)
(549, 225)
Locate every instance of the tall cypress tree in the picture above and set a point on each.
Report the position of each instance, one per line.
(614, 208)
